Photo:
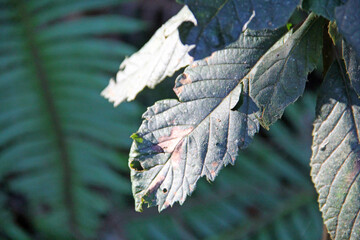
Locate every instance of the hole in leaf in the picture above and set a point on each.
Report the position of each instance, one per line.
(136, 166)
(164, 190)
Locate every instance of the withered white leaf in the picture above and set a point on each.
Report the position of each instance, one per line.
(162, 56)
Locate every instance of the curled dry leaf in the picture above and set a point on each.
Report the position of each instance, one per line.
(159, 58)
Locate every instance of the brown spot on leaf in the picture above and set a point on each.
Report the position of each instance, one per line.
(166, 204)
(213, 174)
(214, 164)
(169, 143)
(178, 90)
(174, 143)
(176, 155)
(156, 183)
(354, 171)
(185, 79)
(156, 109)
(194, 65)
(209, 57)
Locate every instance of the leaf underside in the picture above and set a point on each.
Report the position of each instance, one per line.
(159, 58)
(181, 141)
(336, 154)
(348, 22)
(220, 22)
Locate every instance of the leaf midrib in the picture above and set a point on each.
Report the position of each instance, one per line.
(210, 20)
(216, 106)
(49, 107)
(348, 96)
(247, 76)
(311, 19)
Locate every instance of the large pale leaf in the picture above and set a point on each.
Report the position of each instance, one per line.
(180, 141)
(336, 153)
(279, 79)
(220, 22)
(325, 8)
(352, 66)
(160, 57)
(277, 191)
(348, 21)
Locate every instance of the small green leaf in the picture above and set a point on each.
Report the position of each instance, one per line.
(136, 138)
(289, 26)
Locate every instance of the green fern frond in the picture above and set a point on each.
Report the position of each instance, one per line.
(59, 140)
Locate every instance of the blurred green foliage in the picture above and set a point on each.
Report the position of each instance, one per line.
(61, 144)
(63, 148)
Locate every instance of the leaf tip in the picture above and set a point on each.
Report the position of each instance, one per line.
(138, 205)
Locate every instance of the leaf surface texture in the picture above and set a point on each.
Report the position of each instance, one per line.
(325, 8)
(180, 141)
(160, 57)
(220, 22)
(336, 152)
(279, 78)
(348, 21)
(352, 66)
(273, 197)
